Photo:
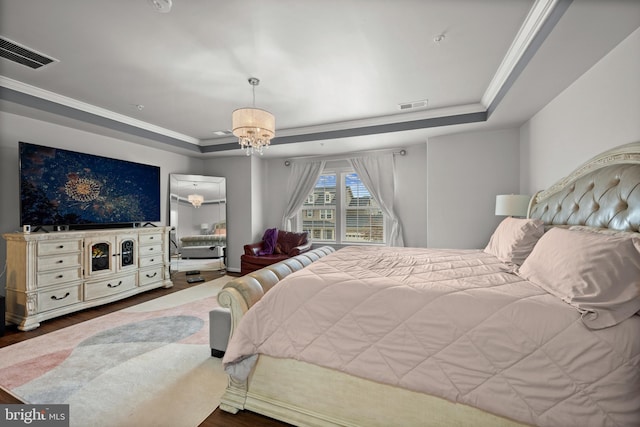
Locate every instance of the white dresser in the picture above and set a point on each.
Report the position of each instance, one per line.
(51, 274)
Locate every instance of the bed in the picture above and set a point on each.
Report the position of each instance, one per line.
(541, 327)
(205, 245)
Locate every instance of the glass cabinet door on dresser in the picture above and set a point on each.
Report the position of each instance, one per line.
(108, 255)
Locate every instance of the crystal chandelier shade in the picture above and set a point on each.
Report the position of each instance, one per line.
(253, 127)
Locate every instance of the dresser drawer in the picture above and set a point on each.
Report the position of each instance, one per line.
(150, 260)
(151, 250)
(103, 288)
(62, 261)
(60, 297)
(150, 275)
(59, 247)
(58, 277)
(150, 239)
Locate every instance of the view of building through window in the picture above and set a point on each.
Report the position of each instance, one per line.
(341, 209)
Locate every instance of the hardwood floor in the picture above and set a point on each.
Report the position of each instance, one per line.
(218, 418)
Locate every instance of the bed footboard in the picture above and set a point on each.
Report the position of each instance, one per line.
(240, 294)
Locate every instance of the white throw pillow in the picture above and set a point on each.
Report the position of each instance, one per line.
(597, 273)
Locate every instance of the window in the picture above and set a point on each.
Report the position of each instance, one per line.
(341, 206)
(318, 212)
(326, 214)
(364, 221)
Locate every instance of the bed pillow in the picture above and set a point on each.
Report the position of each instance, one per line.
(599, 274)
(514, 239)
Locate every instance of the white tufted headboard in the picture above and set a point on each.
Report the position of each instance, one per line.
(604, 192)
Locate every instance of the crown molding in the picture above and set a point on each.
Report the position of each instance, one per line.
(91, 109)
(538, 15)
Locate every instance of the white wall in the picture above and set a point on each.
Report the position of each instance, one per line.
(260, 197)
(411, 194)
(237, 171)
(599, 111)
(476, 165)
(410, 203)
(275, 186)
(15, 128)
(465, 173)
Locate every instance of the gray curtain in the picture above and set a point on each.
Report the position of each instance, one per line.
(302, 179)
(377, 173)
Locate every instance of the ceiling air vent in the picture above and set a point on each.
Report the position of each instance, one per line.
(22, 55)
(223, 133)
(415, 104)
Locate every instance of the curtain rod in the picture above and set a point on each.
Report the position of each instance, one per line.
(401, 151)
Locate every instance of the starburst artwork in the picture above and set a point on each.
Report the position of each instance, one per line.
(82, 189)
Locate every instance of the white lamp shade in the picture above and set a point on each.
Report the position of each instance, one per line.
(512, 204)
(253, 123)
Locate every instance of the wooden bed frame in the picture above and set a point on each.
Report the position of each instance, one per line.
(303, 394)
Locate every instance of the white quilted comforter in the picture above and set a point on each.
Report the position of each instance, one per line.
(451, 323)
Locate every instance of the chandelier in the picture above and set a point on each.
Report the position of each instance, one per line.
(253, 127)
(195, 199)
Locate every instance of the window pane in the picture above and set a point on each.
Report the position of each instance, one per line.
(363, 217)
(356, 215)
(318, 212)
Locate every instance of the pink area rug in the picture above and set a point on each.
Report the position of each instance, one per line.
(145, 365)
